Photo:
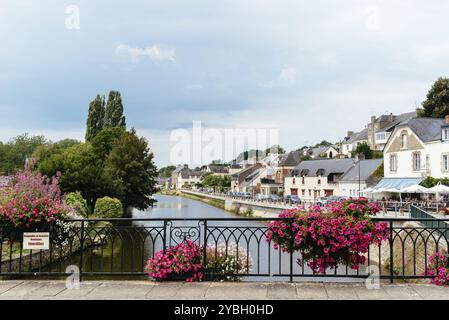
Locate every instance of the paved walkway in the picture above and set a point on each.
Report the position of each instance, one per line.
(139, 290)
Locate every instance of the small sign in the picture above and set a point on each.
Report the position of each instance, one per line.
(36, 240)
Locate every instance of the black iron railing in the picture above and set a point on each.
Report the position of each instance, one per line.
(121, 247)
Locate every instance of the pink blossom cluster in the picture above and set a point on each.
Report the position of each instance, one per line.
(183, 259)
(438, 268)
(35, 199)
(340, 233)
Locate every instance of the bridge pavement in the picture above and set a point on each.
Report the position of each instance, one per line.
(147, 290)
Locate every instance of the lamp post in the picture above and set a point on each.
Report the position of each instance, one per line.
(361, 157)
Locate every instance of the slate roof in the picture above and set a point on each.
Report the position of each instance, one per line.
(358, 136)
(427, 129)
(397, 120)
(291, 159)
(367, 168)
(325, 167)
(218, 169)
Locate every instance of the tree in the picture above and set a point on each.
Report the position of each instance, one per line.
(130, 165)
(95, 117)
(83, 171)
(323, 143)
(76, 201)
(113, 116)
(437, 103)
(108, 207)
(104, 141)
(166, 172)
(277, 149)
(49, 157)
(14, 154)
(365, 150)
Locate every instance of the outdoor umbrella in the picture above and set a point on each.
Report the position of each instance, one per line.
(415, 189)
(439, 188)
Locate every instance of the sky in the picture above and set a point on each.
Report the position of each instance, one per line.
(310, 70)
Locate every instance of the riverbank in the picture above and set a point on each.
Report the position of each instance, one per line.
(213, 202)
(149, 290)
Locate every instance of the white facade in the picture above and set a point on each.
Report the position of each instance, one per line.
(309, 188)
(406, 155)
(351, 189)
(190, 181)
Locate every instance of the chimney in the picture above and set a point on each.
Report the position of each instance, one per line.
(186, 166)
(390, 118)
(373, 119)
(350, 133)
(446, 119)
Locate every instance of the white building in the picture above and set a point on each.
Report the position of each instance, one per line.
(316, 178)
(416, 149)
(352, 140)
(184, 177)
(358, 178)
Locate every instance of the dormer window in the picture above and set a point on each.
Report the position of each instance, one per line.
(445, 134)
(404, 141)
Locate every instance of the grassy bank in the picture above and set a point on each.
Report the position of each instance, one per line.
(216, 203)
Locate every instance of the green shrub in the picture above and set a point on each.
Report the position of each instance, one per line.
(77, 202)
(108, 208)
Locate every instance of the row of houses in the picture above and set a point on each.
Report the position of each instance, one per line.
(413, 149)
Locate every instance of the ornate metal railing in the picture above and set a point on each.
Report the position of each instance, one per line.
(121, 247)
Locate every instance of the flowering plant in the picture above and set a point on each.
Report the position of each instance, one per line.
(35, 200)
(183, 259)
(338, 234)
(228, 261)
(438, 268)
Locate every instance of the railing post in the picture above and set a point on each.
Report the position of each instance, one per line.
(391, 252)
(205, 249)
(81, 251)
(164, 245)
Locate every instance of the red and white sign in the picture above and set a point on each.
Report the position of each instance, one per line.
(36, 240)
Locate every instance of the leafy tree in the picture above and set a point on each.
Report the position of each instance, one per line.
(365, 150)
(14, 154)
(379, 172)
(437, 103)
(166, 172)
(104, 141)
(113, 116)
(83, 171)
(275, 149)
(323, 143)
(95, 117)
(217, 182)
(108, 207)
(49, 157)
(130, 165)
(305, 158)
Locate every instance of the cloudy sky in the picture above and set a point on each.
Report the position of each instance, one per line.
(310, 69)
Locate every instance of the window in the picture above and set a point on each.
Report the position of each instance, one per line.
(445, 163)
(303, 180)
(294, 180)
(445, 134)
(416, 161)
(319, 181)
(393, 163)
(427, 162)
(303, 192)
(404, 141)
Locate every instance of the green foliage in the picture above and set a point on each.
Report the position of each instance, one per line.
(77, 202)
(365, 150)
(113, 115)
(305, 158)
(130, 165)
(49, 157)
(108, 208)
(437, 103)
(104, 141)
(277, 149)
(84, 171)
(95, 117)
(323, 143)
(379, 172)
(14, 154)
(166, 172)
(217, 182)
(430, 182)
